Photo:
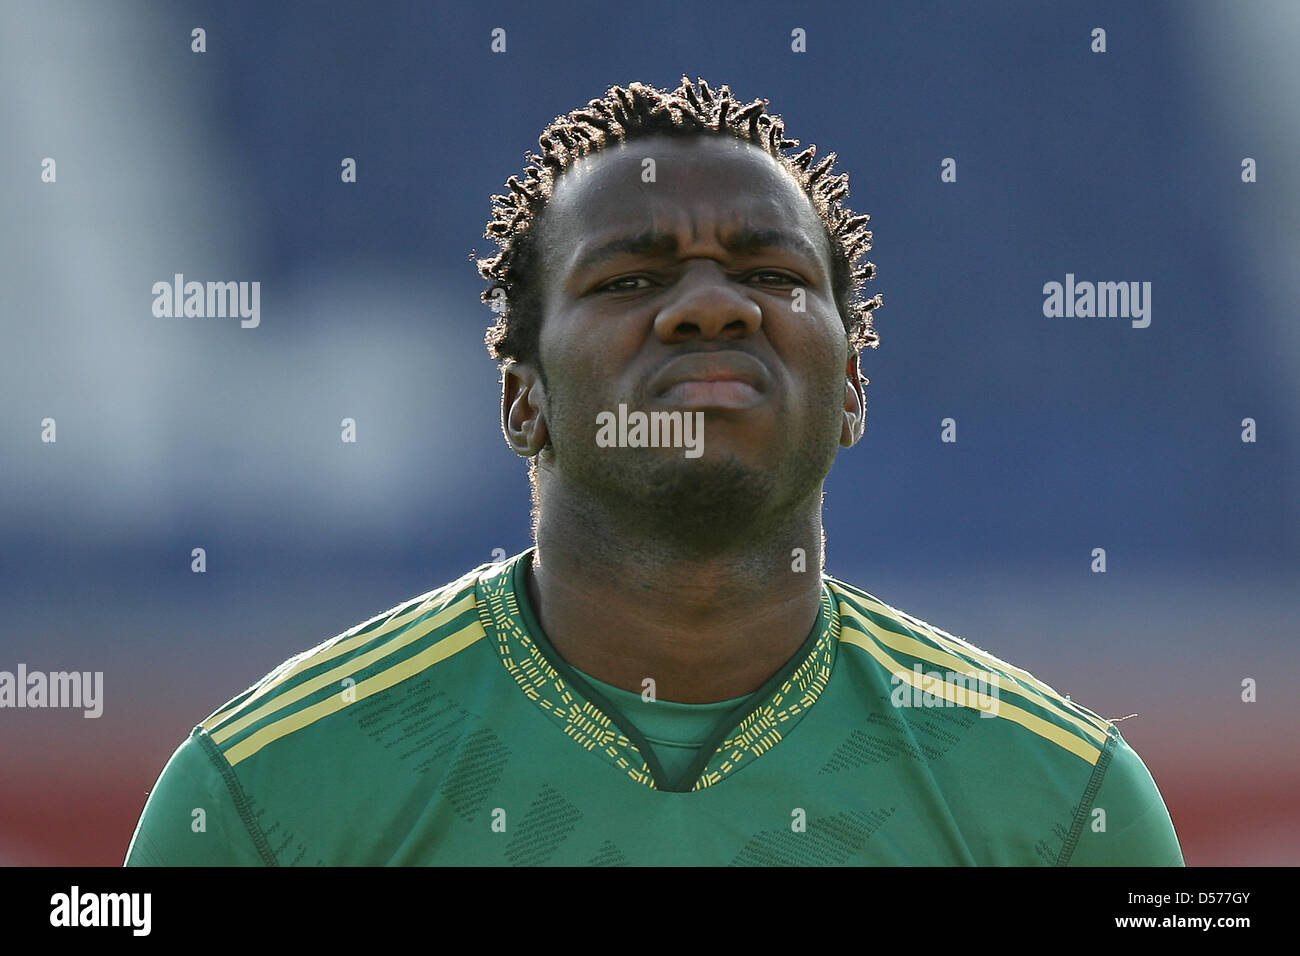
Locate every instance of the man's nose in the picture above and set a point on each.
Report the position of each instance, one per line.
(706, 303)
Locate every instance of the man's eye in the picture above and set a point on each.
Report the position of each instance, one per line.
(618, 285)
(634, 283)
(777, 278)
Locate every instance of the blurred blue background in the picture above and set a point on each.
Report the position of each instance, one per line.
(1073, 433)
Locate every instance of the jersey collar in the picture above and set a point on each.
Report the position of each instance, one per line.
(593, 722)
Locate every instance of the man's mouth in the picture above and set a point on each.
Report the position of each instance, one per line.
(722, 379)
(721, 393)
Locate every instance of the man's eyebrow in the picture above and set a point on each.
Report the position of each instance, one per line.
(746, 240)
(643, 243)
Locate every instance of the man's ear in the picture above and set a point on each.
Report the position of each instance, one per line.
(523, 403)
(855, 403)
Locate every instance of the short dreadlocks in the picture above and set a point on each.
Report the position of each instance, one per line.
(634, 113)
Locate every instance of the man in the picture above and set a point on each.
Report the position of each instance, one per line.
(667, 677)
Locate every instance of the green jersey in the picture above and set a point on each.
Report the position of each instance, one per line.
(449, 731)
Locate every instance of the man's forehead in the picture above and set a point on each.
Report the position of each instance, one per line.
(672, 185)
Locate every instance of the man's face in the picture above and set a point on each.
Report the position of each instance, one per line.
(680, 294)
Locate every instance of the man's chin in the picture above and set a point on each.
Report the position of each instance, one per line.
(714, 497)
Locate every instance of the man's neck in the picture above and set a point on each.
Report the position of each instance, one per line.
(703, 628)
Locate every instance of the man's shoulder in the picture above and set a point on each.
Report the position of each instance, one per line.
(369, 659)
(926, 666)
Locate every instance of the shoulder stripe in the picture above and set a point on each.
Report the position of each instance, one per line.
(1031, 722)
(354, 637)
(443, 649)
(960, 646)
(910, 645)
(921, 630)
(350, 666)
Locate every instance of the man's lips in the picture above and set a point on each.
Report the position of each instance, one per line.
(725, 379)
